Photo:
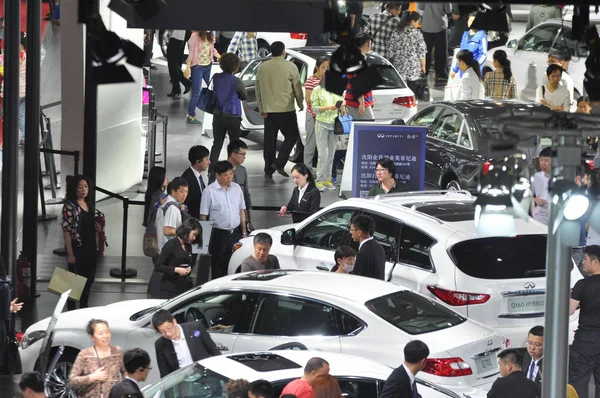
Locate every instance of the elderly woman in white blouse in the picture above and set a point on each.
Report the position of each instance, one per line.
(471, 85)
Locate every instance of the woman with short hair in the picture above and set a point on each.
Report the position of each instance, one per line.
(552, 94)
(385, 171)
(175, 260)
(99, 367)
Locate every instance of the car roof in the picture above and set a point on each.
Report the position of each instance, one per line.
(348, 287)
(490, 108)
(319, 51)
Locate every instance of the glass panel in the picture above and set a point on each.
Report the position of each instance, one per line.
(414, 248)
(249, 74)
(448, 127)
(426, 117)
(539, 39)
(328, 230)
(194, 381)
(386, 234)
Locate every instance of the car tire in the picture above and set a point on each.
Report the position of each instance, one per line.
(453, 185)
(297, 154)
(290, 346)
(244, 133)
(58, 381)
(264, 49)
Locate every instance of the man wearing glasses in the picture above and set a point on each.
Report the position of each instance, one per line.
(180, 345)
(236, 155)
(532, 359)
(137, 366)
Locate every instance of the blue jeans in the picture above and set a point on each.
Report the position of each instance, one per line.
(22, 118)
(199, 73)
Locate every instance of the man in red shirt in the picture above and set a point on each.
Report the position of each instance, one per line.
(302, 388)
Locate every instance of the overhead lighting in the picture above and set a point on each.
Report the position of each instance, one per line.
(576, 206)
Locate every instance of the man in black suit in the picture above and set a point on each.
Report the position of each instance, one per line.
(513, 383)
(137, 366)
(532, 360)
(180, 345)
(402, 383)
(370, 259)
(198, 156)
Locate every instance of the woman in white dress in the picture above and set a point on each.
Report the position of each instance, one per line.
(471, 86)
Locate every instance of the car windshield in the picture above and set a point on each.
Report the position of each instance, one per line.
(391, 78)
(413, 314)
(523, 256)
(193, 381)
(140, 314)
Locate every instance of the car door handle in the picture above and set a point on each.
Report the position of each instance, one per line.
(322, 268)
(222, 347)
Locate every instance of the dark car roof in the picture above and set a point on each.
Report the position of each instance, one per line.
(490, 108)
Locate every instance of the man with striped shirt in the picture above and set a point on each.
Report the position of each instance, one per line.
(360, 108)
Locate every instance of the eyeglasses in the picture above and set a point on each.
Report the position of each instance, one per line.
(381, 170)
(532, 344)
(241, 153)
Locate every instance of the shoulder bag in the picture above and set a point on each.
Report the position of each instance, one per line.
(342, 124)
(206, 101)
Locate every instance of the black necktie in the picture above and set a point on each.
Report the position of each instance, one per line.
(202, 186)
(415, 393)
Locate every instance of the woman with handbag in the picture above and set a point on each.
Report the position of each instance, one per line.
(79, 232)
(99, 367)
(325, 105)
(407, 50)
(201, 47)
(155, 191)
(228, 91)
(9, 347)
(175, 260)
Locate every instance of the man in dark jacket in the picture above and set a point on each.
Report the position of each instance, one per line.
(137, 366)
(513, 383)
(402, 383)
(198, 156)
(370, 258)
(180, 345)
(533, 358)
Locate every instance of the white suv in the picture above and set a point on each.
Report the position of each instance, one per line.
(431, 246)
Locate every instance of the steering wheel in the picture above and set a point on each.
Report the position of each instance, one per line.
(194, 314)
(334, 239)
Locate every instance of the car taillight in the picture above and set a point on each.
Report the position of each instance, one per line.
(457, 299)
(486, 168)
(447, 367)
(298, 36)
(590, 164)
(236, 247)
(408, 101)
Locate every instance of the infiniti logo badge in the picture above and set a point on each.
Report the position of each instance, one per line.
(380, 136)
(490, 342)
(529, 285)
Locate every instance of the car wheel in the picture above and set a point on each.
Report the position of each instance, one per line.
(297, 154)
(290, 346)
(58, 385)
(163, 40)
(263, 49)
(244, 133)
(453, 185)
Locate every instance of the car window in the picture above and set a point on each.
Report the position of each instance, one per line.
(386, 234)
(504, 258)
(354, 387)
(539, 39)
(291, 316)
(464, 139)
(413, 313)
(415, 247)
(448, 127)
(347, 323)
(231, 310)
(302, 68)
(390, 78)
(249, 74)
(328, 231)
(564, 42)
(192, 381)
(426, 117)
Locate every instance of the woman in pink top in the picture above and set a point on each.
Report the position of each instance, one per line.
(202, 51)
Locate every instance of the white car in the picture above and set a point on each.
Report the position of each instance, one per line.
(431, 246)
(290, 309)
(357, 377)
(529, 56)
(393, 99)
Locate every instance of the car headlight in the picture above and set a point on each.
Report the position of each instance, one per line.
(31, 338)
(237, 246)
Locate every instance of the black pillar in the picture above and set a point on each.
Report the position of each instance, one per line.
(10, 168)
(32, 139)
(90, 119)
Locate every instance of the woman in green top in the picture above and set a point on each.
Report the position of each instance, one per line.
(325, 106)
(385, 172)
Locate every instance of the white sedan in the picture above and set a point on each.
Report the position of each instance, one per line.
(290, 309)
(357, 377)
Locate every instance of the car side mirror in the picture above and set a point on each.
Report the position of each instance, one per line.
(288, 237)
(512, 43)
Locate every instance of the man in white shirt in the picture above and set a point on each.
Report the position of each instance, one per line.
(180, 345)
(541, 197)
(562, 59)
(137, 366)
(169, 217)
(401, 382)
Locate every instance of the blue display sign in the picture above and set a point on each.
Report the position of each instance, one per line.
(404, 145)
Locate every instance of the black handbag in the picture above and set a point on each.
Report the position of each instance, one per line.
(207, 100)
(422, 89)
(12, 358)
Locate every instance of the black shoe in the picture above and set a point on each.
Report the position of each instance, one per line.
(280, 170)
(187, 88)
(270, 170)
(173, 94)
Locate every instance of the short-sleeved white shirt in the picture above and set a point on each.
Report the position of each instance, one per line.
(540, 190)
(560, 97)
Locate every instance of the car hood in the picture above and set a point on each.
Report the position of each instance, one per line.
(115, 314)
(277, 229)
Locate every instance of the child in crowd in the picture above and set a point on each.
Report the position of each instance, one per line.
(344, 260)
(584, 105)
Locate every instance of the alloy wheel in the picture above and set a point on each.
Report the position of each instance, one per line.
(57, 385)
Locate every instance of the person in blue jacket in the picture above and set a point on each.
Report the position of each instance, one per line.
(476, 42)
